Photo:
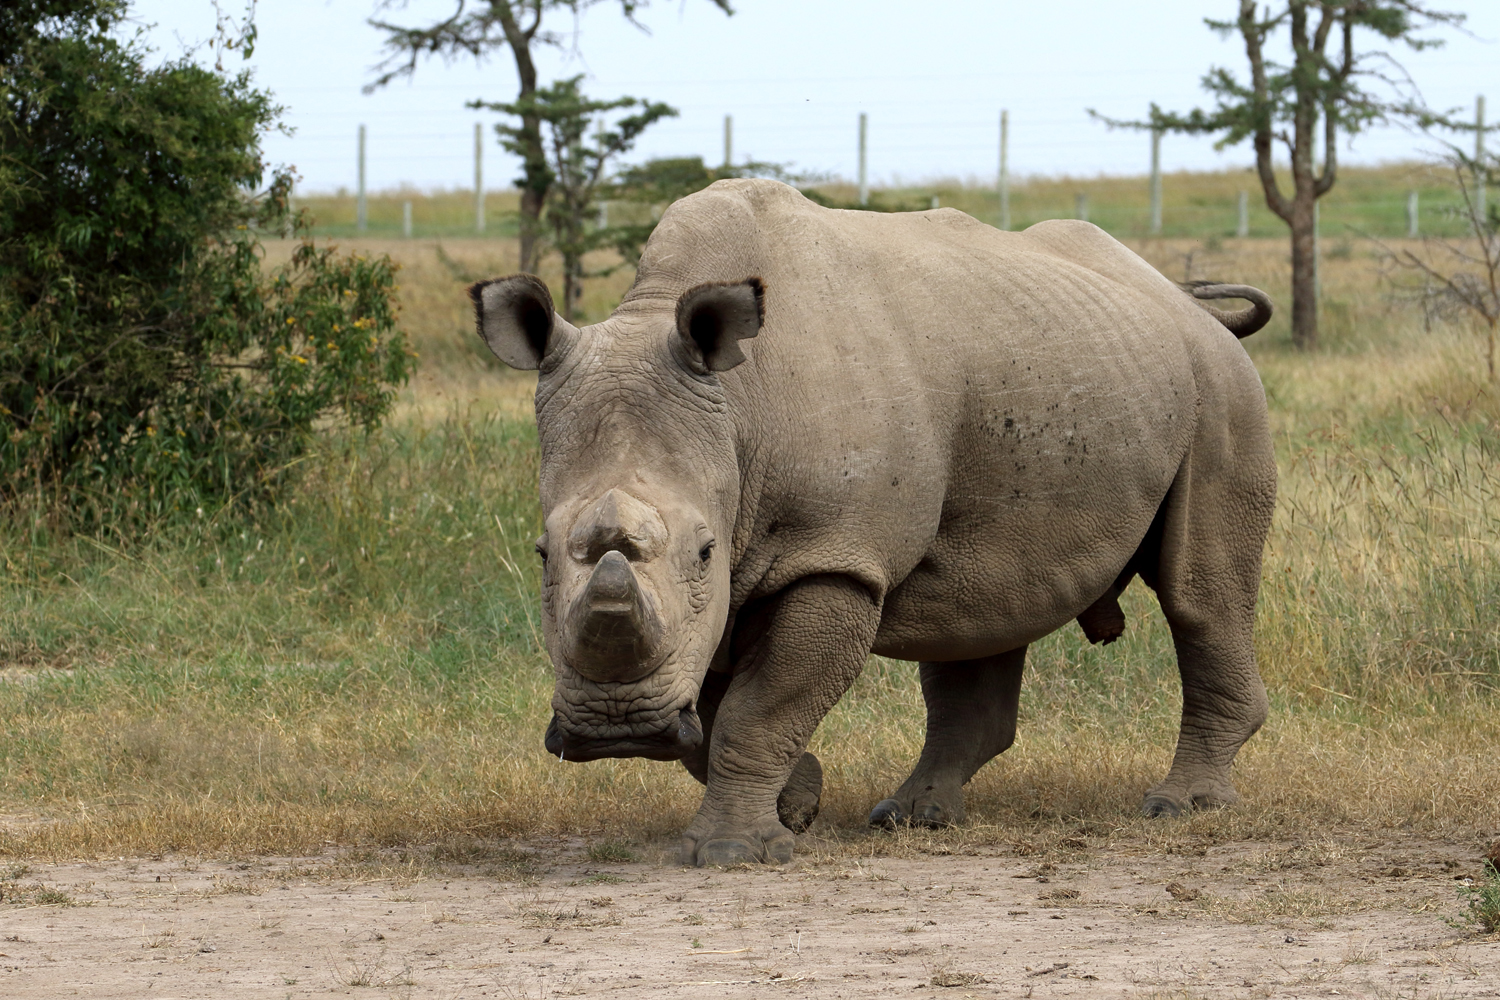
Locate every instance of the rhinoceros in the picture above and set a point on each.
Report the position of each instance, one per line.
(806, 435)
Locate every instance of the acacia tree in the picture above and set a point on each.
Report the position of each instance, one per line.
(481, 28)
(575, 165)
(1329, 81)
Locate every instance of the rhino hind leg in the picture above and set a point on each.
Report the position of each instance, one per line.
(971, 719)
(1223, 704)
(1207, 580)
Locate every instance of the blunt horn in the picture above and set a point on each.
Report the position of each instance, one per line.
(613, 630)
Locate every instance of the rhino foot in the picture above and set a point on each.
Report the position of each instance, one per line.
(887, 815)
(1157, 806)
(925, 811)
(1163, 802)
(770, 845)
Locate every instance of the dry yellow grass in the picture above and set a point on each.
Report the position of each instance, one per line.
(366, 670)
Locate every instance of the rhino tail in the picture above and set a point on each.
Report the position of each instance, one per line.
(1240, 322)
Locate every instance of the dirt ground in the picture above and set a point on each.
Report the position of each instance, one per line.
(1327, 918)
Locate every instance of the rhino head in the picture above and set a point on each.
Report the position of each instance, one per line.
(639, 489)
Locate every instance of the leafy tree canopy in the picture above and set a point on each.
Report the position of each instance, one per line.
(1330, 82)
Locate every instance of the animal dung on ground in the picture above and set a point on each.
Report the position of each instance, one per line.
(1182, 893)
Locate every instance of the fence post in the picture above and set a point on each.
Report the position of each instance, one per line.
(406, 219)
(1479, 156)
(359, 204)
(478, 177)
(1156, 182)
(1081, 206)
(1005, 170)
(1411, 214)
(1242, 227)
(728, 140)
(864, 177)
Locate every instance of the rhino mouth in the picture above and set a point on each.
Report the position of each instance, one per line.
(671, 738)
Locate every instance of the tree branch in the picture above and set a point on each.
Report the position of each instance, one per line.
(1260, 111)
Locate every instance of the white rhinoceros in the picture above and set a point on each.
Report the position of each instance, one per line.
(807, 435)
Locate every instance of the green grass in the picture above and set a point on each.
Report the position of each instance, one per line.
(363, 664)
(434, 213)
(1482, 901)
(1365, 200)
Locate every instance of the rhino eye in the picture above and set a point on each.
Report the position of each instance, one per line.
(705, 552)
(541, 547)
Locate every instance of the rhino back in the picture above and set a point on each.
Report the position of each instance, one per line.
(977, 425)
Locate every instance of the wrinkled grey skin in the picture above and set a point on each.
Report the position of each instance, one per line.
(943, 443)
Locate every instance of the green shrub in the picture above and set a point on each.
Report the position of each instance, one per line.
(1482, 900)
(148, 363)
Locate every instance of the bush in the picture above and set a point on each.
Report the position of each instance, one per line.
(148, 363)
(1482, 900)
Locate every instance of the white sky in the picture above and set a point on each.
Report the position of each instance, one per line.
(795, 74)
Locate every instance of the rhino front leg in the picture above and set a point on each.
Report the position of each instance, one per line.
(802, 650)
(797, 805)
(971, 719)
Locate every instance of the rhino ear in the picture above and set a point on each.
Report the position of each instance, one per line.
(713, 318)
(516, 319)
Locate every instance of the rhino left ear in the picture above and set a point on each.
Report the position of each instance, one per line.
(516, 319)
(713, 318)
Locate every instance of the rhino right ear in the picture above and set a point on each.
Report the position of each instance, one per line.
(515, 317)
(714, 317)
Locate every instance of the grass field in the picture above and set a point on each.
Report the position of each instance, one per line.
(363, 666)
(1366, 200)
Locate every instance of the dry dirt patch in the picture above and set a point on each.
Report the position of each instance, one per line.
(1257, 920)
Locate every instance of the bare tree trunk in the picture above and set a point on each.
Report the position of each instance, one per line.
(1304, 275)
(1308, 184)
(533, 198)
(572, 287)
(536, 178)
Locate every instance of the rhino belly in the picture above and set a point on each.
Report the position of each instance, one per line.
(1008, 568)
